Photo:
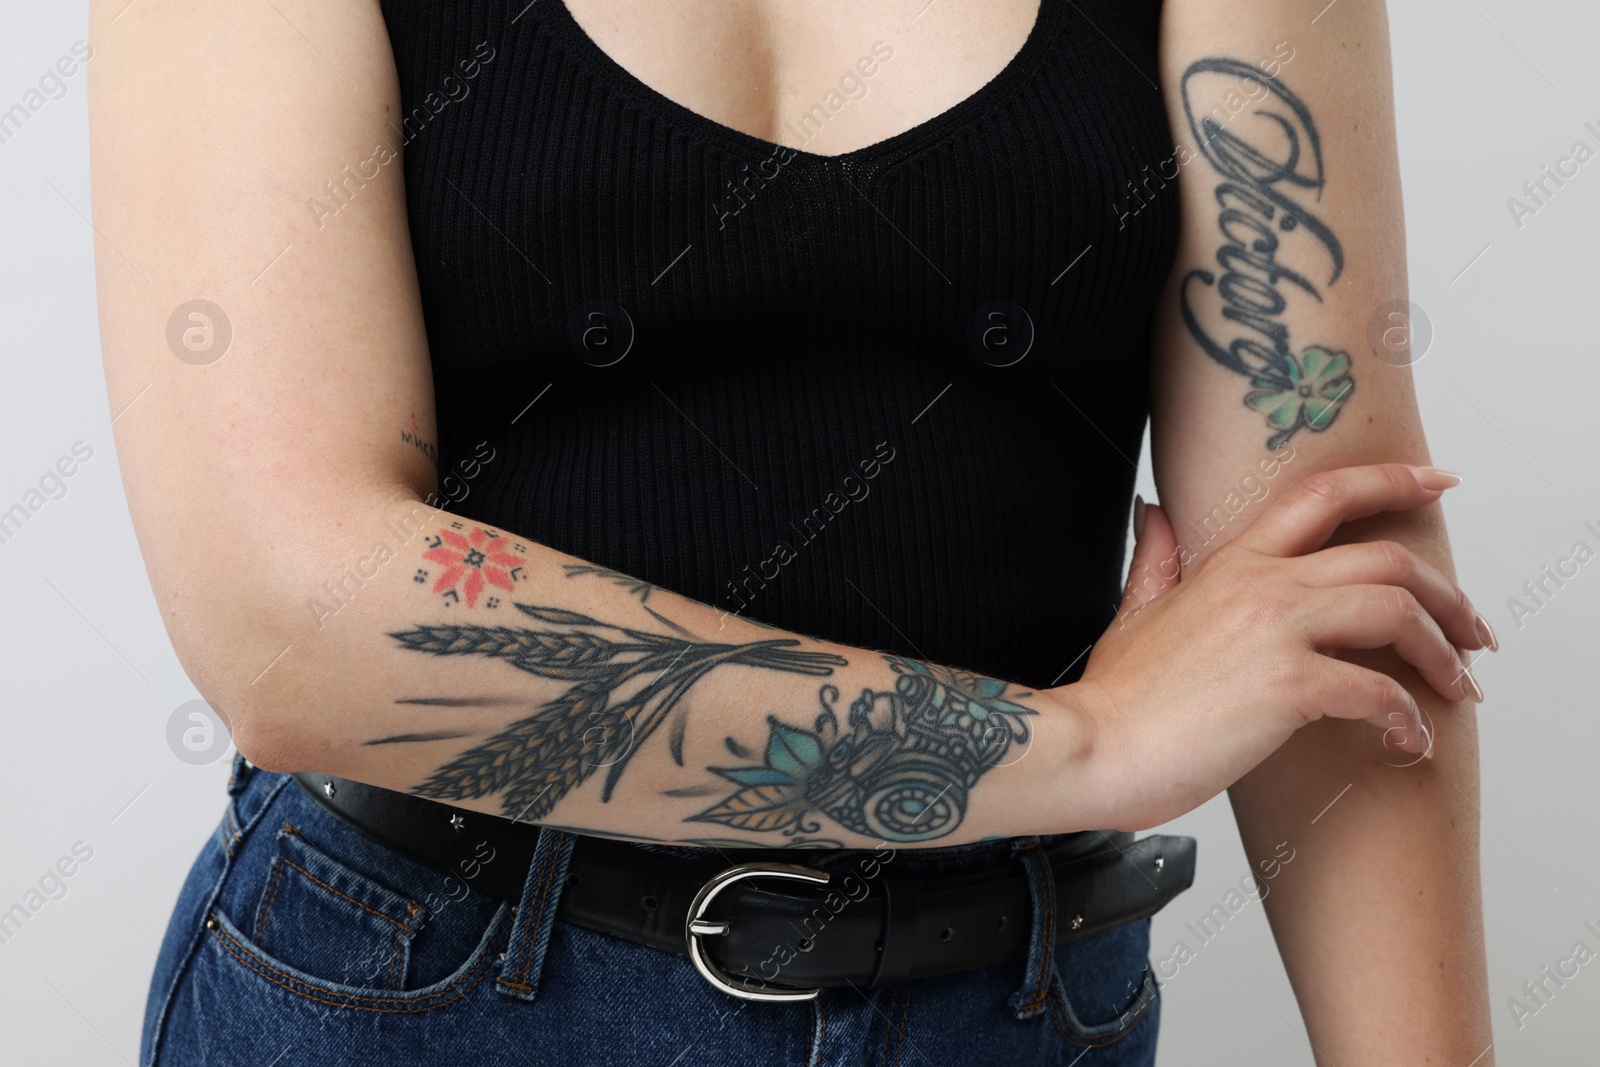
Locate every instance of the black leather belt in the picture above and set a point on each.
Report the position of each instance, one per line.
(781, 923)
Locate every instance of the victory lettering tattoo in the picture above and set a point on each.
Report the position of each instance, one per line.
(1267, 176)
(900, 768)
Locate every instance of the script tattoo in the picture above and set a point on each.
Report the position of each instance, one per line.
(901, 766)
(1266, 180)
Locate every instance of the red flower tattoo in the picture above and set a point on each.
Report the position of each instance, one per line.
(471, 561)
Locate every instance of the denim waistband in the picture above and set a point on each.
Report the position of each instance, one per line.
(534, 916)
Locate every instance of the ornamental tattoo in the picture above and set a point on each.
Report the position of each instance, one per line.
(1266, 177)
(472, 561)
(901, 772)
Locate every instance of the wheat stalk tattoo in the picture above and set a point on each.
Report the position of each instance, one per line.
(624, 685)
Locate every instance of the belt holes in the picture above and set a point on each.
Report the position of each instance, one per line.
(650, 903)
(572, 881)
(804, 944)
(1001, 925)
(877, 945)
(946, 934)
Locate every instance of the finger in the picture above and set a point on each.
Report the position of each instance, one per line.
(1390, 563)
(1305, 517)
(1154, 567)
(1373, 616)
(1342, 690)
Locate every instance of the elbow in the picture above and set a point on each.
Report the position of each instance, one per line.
(262, 644)
(261, 721)
(253, 713)
(246, 674)
(268, 744)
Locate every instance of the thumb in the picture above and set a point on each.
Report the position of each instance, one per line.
(1154, 568)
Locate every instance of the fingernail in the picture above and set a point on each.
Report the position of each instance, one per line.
(1435, 477)
(1470, 684)
(1138, 516)
(1486, 633)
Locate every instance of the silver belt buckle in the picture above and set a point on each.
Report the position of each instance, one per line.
(699, 926)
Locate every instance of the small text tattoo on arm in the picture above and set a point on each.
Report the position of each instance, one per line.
(414, 438)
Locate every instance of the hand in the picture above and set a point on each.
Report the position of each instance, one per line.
(1203, 677)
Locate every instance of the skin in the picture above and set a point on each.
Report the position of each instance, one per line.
(1377, 981)
(259, 483)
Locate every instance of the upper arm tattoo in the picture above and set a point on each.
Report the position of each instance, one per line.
(414, 438)
(1268, 181)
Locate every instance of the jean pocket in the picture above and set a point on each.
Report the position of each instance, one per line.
(234, 976)
(1103, 986)
(318, 913)
(318, 916)
(1095, 1029)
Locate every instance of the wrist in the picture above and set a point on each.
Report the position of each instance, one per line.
(1062, 755)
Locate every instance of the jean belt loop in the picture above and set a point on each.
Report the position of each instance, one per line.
(240, 775)
(1029, 1000)
(523, 961)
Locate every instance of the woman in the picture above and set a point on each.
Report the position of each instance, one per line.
(534, 416)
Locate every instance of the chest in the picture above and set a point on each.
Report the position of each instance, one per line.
(784, 204)
(754, 65)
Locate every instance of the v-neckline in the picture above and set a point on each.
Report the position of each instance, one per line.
(559, 17)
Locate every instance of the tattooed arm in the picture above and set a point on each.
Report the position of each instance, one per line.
(268, 370)
(278, 450)
(1281, 343)
(534, 679)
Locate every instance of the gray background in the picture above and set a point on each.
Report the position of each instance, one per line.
(1487, 91)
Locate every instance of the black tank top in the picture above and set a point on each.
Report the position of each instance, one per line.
(891, 398)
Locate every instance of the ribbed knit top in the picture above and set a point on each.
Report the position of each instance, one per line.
(892, 398)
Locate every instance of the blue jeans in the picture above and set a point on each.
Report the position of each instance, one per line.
(298, 941)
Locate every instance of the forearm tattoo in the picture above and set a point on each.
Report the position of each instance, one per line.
(900, 766)
(1268, 179)
(900, 771)
(640, 589)
(470, 563)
